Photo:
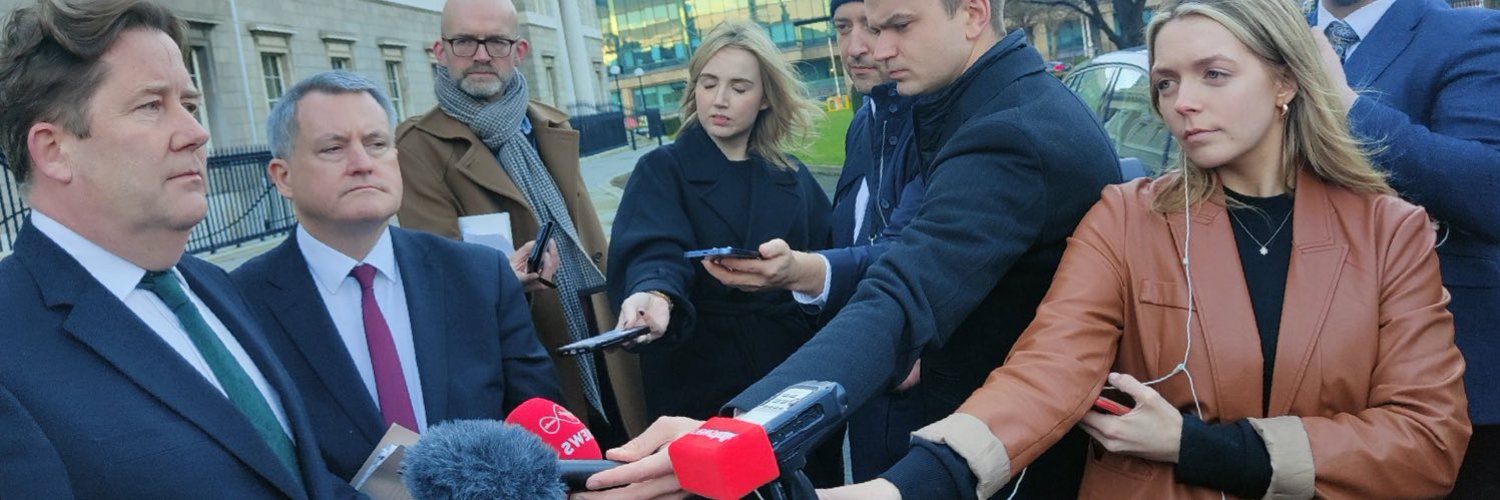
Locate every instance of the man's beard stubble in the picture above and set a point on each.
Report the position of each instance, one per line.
(483, 90)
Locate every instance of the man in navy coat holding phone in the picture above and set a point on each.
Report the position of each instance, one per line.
(377, 325)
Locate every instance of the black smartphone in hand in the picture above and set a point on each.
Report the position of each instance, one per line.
(603, 341)
(539, 249)
(721, 252)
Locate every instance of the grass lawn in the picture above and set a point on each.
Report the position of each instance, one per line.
(826, 147)
(824, 154)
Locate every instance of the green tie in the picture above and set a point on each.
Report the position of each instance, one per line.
(237, 384)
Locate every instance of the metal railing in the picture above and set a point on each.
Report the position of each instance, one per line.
(584, 108)
(243, 205)
(12, 209)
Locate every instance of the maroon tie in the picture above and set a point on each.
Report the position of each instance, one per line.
(390, 382)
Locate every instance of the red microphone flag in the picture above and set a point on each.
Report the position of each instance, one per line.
(725, 458)
(557, 427)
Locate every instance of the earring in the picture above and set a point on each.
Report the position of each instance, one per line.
(1284, 108)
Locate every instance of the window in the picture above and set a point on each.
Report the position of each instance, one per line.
(273, 66)
(197, 66)
(393, 82)
(1093, 84)
(340, 51)
(1067, 40)
(549, 64)
(197, 56)
(1130, 120)
(275, 48)
(395, 76)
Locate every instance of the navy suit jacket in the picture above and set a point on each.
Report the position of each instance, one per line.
(93, 404)
(1429, 77)
(1010, 175)
(477, 352)
(879, 148)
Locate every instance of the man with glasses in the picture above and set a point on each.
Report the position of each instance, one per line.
(486, 154)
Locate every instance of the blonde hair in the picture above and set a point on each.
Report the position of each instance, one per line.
(1317, 132)
(789, 116)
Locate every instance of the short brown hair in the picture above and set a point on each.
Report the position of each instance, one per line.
(997, 13)
(50, 65)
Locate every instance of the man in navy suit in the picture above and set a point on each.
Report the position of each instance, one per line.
(878, 192)
(129, 370)
(1010, 174)
(380, 326)
(1428, 79)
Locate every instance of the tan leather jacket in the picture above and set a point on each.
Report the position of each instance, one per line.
(1367, 397)
(449, 173)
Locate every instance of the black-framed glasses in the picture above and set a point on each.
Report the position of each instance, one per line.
(467, 46)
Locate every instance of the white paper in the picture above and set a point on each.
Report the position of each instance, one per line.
(491, 230)
(379, 458)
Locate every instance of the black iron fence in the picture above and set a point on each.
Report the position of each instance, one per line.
(599, 132)
(243, 205)
(12, 209)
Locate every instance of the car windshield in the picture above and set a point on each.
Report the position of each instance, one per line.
(1119, 92)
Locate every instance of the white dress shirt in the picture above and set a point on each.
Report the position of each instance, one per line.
(345, 302)
(121, 277)
(1362, 20)
(861, 205)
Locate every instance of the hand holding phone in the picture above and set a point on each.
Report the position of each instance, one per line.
(1114, 401)
(1105, 405)
(539, 249)
(603, 341)
(722, 252)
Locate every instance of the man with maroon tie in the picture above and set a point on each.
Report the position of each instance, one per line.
(380, 326)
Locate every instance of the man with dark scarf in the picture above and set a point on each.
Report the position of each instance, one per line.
(486, 149)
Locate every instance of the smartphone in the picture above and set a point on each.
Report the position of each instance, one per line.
(721, 252)
(539, 249)
(1106, 405)
(1114, 401)
(604, 340)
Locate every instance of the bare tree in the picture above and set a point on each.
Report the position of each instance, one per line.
(1130, 31)
(1023, 15)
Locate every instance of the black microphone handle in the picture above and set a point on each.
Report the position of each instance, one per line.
(576, 472)
(791, 486)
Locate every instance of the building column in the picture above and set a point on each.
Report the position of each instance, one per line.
(580, 77)
(564, 85)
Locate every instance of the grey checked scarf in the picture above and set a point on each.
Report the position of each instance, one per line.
(498, 124)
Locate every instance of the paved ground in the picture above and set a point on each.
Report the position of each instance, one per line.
(598, 172)
(601, 170)
(231, 258)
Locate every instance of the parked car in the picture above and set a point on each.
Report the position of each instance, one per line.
(1057, 68)
(1117, 86)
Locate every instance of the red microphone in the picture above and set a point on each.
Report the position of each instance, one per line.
(728, 458)
(557, 427)
(725, 458)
